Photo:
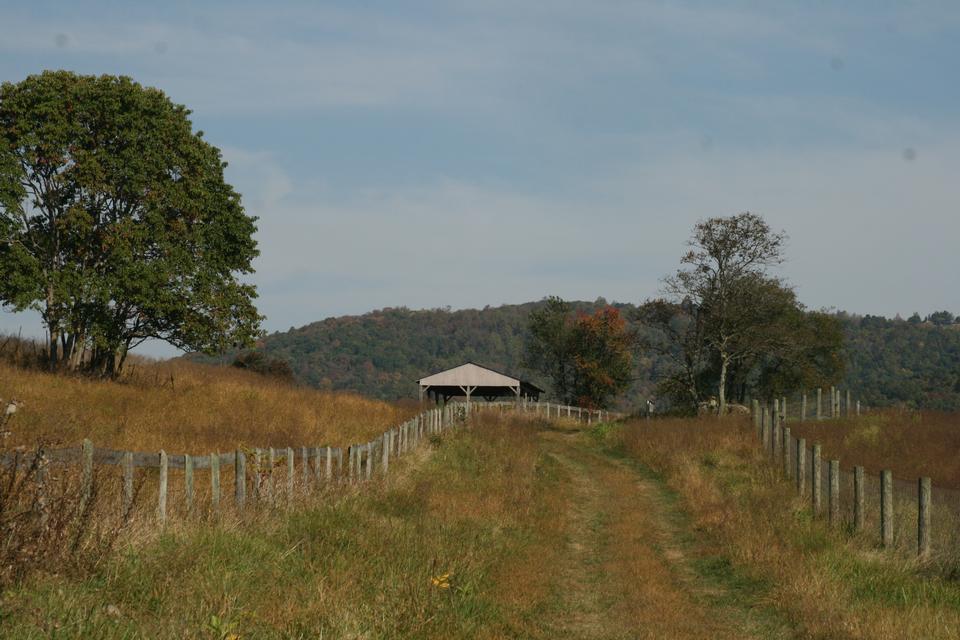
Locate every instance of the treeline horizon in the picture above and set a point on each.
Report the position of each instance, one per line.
(888, 361)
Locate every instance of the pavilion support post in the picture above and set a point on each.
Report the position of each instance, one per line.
(468, 391)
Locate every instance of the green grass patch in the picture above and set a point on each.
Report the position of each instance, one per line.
(398, 561)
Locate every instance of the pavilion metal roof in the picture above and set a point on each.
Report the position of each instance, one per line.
(471, 374)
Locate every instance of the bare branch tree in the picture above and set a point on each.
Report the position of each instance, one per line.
(725, 279)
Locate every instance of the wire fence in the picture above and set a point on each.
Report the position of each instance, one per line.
(184, 485)
(905, 516)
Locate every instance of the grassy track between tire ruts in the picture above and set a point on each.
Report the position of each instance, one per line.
(508, 529)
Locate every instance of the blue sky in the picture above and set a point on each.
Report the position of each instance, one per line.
(454, 153)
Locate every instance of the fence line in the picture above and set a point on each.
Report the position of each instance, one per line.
(772, 434)
(258, 467)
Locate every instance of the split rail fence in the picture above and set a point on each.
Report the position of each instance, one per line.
(852, 498)
(265, 475)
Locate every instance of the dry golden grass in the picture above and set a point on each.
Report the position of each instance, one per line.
(830, 585)
(355, 563)
(910, 443)
(188, 408)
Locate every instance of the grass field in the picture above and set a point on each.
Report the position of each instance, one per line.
(512, 527)
(910, 443)
(188, 408)
(827, 583)
(445, 549)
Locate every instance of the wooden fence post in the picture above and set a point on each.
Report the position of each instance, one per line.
(923, 518)
(291, 473)
(858, 407)
(787, 471)
(340, 462)
(305, 463)
(127, 483)
(858, 504)
(162, 495)
(833, 402)
(754, 412)
(215, 480)
(257, 475)
(834, 492)
(819, 403)
(783, 410)
(765, 428)
(41, 489)
(816, 481)
(329, 469)
(86, 489)
(848, 412)
(801, 466)
(385, 463)
(370, 458)
(803, 407)
(240, 479)
(317, 466)
(886, 508)
(775, 432)
(271, 463)
(188, 482)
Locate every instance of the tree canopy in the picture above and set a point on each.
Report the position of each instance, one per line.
(587, 356)
(116, 223)
(731, 327)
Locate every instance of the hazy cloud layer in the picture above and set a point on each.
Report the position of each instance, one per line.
(454, 153)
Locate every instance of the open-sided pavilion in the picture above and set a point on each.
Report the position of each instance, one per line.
(472, 380)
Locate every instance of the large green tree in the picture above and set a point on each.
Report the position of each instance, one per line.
(723, 277)
(549, 347)
(732, 328)
(116, 223)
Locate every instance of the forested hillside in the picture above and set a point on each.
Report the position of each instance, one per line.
(889, 362)
(897, 362)
(384, 352)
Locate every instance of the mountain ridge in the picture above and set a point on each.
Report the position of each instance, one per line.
(383, 352)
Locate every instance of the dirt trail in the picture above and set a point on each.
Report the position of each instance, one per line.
(622, 574)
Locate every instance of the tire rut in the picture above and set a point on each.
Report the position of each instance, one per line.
(623, 574)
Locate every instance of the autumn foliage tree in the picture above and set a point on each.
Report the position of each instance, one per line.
(602, 348)
(588, 357)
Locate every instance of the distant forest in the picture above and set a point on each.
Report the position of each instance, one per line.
(912, 363)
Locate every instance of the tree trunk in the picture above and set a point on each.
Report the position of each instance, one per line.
(54, 348)
(722, 395)
(118, 366)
